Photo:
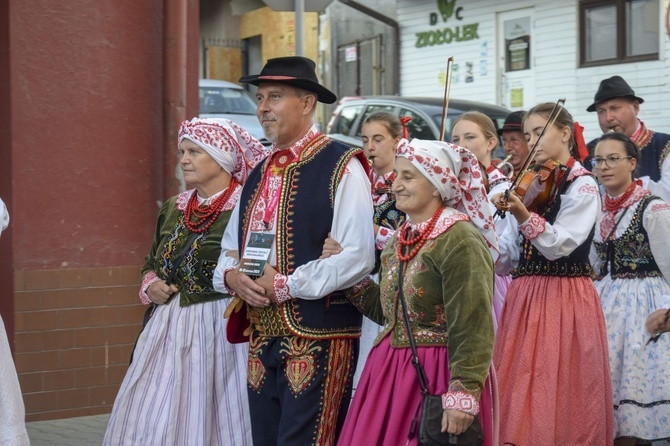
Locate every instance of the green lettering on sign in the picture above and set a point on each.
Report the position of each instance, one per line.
(447, 35)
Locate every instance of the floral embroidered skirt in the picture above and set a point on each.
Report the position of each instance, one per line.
(186, 385)
(388, 395)
(552, 364)
(640, 372)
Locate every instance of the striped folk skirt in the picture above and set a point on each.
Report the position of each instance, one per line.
(186, 384)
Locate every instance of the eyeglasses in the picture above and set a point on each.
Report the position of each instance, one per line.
(611, 161)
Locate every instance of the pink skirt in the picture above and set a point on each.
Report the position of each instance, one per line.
(388, 396)
(552, 365)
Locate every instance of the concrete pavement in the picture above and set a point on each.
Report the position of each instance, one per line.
(78, 431)
(89, 431)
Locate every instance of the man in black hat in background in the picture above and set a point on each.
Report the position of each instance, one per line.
(617, 107)
(513, 140)
(303, 330)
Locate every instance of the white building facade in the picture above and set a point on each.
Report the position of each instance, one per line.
(520, 53)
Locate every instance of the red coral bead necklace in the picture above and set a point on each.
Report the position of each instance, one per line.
(419, 240)
(199, 218)
(614, 204)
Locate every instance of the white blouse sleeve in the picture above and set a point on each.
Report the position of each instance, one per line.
(507, 231)
(351, 228)
(575, 219)
(4, 216)
(656, 221)
(661, 187)
(228, 243)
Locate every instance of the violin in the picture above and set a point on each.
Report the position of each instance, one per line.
(535, 185)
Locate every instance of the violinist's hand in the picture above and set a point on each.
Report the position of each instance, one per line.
(456, 422)
(500, 202)
(514, 205)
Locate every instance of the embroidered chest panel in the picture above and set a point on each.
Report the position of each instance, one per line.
(629, 256)
(422, 291)
(387, 215)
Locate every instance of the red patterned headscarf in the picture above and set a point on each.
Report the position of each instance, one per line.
(229, 144)
(455, 173)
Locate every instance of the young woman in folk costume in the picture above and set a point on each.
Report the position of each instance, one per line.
(186, 384)
(382, 133)
(551, 348)
(631, 259)
(447, 246)
(476, 132)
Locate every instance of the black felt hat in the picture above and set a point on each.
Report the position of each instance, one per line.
(513, 122)
(296, 71)
(614, 87)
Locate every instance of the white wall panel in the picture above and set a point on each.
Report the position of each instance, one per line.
(555, 51)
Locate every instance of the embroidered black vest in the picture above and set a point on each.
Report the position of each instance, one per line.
(388, 216)
(629, 256)
(304, 218)
(532, 262)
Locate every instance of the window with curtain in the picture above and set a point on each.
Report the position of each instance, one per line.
(618, 31)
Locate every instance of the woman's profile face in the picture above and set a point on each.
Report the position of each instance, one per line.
(554, 143)
(613, 166)
(469, 135)
(198, 167)
(379, 146)
(414, 194)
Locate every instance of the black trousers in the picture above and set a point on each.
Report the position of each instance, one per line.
(299, 389)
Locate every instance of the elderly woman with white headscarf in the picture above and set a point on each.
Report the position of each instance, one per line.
(186, 384)
(447, 248)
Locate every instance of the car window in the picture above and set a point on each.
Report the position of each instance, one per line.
(370, 110)
(346, 119)
(215, 100)
(417, 127)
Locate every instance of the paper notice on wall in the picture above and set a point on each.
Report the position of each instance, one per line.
(516, 97)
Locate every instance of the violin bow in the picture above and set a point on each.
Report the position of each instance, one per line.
(550, 122)
(445, 101)
(531, 154)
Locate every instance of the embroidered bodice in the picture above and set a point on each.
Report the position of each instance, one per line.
(629, 256)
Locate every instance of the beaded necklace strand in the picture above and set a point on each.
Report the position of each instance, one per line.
(199, 218)
(614, 204)
(417, 241)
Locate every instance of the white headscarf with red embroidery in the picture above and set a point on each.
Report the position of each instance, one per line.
(455, 173)
(229, 144)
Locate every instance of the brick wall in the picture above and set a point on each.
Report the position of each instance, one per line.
(75, 329)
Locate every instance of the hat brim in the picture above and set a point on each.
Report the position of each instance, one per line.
(592, 107)
(322, 93)
(510, 128)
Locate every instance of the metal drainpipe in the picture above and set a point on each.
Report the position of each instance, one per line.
(396, 37)
(175, 75)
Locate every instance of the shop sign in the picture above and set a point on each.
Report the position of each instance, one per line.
(458, 33)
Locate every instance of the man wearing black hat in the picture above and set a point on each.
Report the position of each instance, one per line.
(617, 107)
(513, 141)
(303, 329)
